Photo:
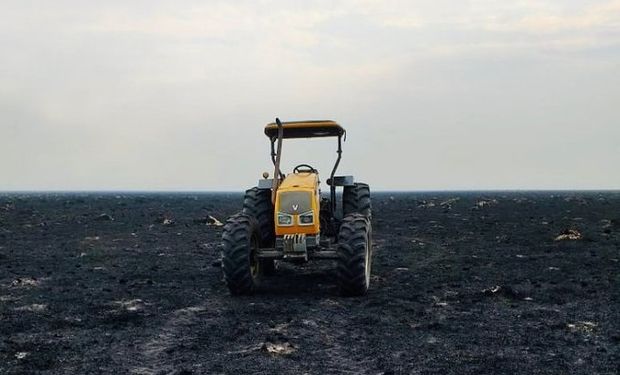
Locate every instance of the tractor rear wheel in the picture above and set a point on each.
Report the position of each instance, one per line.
(257, 203)
(240, 263)
(354, 255)
(356, 198)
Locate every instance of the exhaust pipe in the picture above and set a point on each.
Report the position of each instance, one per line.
(277, 174)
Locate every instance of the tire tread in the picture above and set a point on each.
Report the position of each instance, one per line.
(353, 238)
(356, 198)
(236, 243)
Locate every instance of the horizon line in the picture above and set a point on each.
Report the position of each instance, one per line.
(171, 191)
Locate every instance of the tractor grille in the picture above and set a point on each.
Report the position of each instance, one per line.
(295, 202)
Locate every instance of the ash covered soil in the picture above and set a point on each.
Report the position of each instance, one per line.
(463, 283)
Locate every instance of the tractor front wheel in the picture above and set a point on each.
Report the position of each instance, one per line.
(354, 255)
(240, 263)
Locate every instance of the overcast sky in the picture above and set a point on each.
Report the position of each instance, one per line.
(173, 95)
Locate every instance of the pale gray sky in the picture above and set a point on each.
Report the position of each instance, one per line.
(169, 95)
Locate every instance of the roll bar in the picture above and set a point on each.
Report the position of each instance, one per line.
(278, 175)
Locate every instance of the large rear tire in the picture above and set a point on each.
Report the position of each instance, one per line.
(257, 203)
(354, 255)
(240, 263)
(356, 198)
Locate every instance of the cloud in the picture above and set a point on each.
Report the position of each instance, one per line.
(151, 94)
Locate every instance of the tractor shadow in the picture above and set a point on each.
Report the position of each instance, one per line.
(316, 278)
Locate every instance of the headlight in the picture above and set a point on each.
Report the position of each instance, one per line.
(285, 219)
(307, 218)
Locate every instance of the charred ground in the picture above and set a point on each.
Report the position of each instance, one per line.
(462, 284)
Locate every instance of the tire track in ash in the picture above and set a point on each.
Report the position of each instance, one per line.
(153, 356)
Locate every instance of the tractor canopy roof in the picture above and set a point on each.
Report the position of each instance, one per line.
(305, 129)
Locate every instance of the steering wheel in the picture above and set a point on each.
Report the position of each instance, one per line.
(304, 168)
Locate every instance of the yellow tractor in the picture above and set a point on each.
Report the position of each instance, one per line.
(285, 218)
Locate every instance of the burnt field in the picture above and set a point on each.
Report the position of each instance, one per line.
(463, 283)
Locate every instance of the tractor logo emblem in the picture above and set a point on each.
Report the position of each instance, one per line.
(295, 207)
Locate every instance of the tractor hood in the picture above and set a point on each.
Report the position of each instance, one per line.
(300, 181)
